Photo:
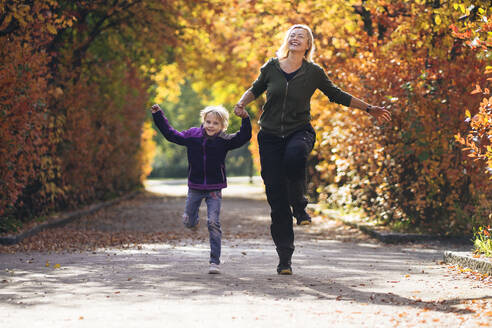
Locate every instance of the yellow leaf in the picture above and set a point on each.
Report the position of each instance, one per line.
(478, 89)
(7, 21)
(47, 263)
(51, 29)
(438, 20)
(56, 266)
(467, 113)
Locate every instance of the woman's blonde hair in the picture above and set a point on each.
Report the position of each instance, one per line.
(219, 111)
(283, 51)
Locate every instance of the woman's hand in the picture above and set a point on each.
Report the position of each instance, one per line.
(381, 114)
(155, 108)
(240, 111)
(240, 108)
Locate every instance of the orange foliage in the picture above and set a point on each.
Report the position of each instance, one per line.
(24, 95)
(71, 130)
(410, 174)
(478, 140)
(73, 97)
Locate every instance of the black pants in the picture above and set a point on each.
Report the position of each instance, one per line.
(283, 169)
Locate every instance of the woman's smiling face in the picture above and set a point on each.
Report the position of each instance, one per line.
(298, 40)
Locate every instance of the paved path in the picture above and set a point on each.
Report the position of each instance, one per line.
(341, 277)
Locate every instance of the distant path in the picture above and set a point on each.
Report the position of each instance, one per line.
(158, 277)
(238, 187)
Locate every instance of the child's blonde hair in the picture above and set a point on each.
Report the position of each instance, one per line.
(220, 112)
(283, 51)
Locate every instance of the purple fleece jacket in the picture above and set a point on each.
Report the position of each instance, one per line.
(206, 154)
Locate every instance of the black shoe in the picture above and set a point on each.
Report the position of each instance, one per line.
(284, 266)
(284, 269)
(302, 218)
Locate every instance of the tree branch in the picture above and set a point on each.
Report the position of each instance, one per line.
(79, 53)
(366, 18)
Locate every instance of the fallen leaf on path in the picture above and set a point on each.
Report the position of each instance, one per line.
(470, 274)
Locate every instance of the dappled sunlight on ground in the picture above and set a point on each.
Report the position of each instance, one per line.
(137, 259)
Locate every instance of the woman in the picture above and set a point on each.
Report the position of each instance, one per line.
(286, 136)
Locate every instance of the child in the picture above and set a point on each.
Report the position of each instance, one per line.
(207, 147)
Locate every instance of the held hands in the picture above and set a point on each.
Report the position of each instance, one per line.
(381, 114)
(240, 111)
(155, 108)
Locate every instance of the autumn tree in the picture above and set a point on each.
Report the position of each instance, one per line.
(75, 81)
(77, 76)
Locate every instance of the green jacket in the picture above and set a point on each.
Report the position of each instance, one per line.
(287, 107)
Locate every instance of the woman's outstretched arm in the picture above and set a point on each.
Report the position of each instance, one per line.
(240, 108)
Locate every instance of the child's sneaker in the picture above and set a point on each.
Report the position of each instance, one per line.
(214, 268)
(193, 228)
(188, 225)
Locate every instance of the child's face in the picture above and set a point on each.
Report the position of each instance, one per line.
(212, 124)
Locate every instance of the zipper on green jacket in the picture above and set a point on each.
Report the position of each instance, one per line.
(282, 116)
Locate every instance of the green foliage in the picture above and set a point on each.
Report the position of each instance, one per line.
(483, 241)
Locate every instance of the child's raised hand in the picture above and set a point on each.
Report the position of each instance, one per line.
(155, 108)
